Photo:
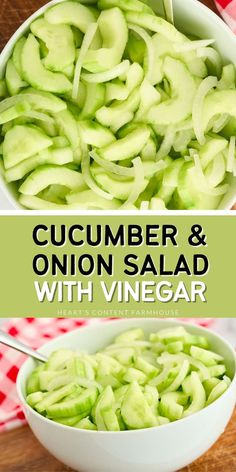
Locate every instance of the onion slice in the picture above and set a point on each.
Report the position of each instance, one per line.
(138, 182)
(204, 88)
(88, 37)
(111, 167)
(213, 56)
(167, 143)
(107, 75)
(203, 184)
(150, 48)
(193, 45)
(85, 168)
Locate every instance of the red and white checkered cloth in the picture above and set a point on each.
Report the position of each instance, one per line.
(34, 332)
(227, 9)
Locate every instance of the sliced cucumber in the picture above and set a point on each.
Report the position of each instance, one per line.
(53, 397)
(59, 156)
(81, 405)
(95, 98)
(16, 56)
(127, 147)
(13, 80)
(22, 142)
(192, 386)
(68, 127)
(71, 13)
(95, 134)
(43, 100)
(176, 108)
(126, 5)
(47, 175)
(88, 199)
(59, 41)
(37, 75)
(114, 32)
(135, 410)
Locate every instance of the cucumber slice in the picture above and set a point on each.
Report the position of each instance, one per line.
(211, 149)
(32, 384)
(218, 102)
(47, 175)
(3, 89)
(13, 80)
(192, 386)
(135, 409)
(94, 134)
(155, 24)
(126, 5)
(217, 391)
(135, 375)
(70, 421)
(68, 127)
(71, 13)
(14, 112)
(127, 147)
(59, 41)
(105, 400)
(81, 405)
(59, 156)
(228, 79)
(22, 142)
(207, 357)
(34, 398)
(43, 100)
(110, 419)
(149, 97)
(118, 114)
(95, 98)
(16, 56)
(114, 32)
(172, 405)
(53, 397)
(85, 423)
(177, 108)
(129, 336)
(118, 186)
(89, 200)
(217, 370)
(37, 75)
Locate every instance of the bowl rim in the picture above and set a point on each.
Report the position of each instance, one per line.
(92, 327)
(213, 17)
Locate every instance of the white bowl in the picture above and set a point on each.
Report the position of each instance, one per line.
(191, 17)
(165, 448)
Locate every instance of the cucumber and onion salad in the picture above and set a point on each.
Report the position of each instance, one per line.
(136, 382)
(108, 106)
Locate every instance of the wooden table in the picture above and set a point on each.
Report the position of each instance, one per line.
(21, 452)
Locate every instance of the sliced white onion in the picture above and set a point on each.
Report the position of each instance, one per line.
(85, 168)
(220, 122)
(193, 45)
(231, 154)
(138, 182)
(167, 143)
(107, 75)
(87, 39)
(213, 56)
(150, 48)
(111, 167)
(204, 88)
(203, 183)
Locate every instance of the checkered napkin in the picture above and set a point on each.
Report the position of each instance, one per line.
(34, 332)
(227, 9)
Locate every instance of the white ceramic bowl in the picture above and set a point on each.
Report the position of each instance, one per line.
(161, 449)
(190, 17)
